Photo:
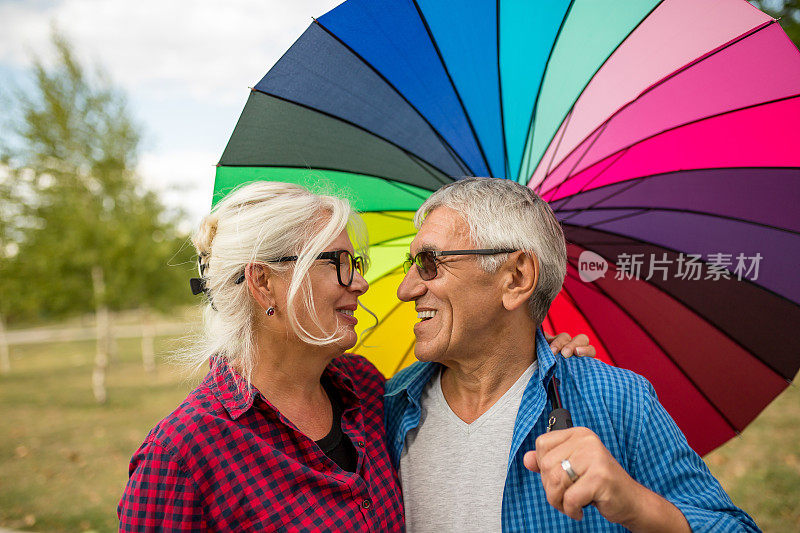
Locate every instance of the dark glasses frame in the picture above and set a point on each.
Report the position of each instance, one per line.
(427, 261)
(357, 263)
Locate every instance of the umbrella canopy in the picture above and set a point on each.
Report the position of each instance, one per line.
(662, 132)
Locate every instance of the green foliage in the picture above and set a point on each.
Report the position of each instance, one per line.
(788, 11)
(78, 204)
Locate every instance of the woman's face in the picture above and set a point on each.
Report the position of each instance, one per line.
(334, 303)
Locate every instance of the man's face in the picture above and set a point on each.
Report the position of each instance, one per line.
(458, 308)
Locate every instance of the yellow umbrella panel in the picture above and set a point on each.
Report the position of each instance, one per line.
(387, 208)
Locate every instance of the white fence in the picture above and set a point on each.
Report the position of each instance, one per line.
(83, 333)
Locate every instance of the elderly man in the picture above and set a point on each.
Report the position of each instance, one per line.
(484, 268)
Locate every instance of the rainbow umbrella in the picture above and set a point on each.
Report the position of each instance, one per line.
(663, 133)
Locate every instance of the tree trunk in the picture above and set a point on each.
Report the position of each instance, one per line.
(148, 344)
(103, 336)
(5, 359)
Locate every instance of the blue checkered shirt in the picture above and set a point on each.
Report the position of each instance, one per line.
(618, 405)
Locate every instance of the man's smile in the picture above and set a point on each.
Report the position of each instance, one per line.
(426, 314)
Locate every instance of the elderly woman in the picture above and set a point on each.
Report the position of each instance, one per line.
(286, 431)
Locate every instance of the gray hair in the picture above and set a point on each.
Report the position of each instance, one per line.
(260, 222)
(501, 213)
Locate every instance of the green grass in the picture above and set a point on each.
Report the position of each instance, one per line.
(761, 468)
(64, 459)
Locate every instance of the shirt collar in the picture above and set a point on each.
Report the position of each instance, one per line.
(231, 389)
(337, 372)
(414, 379)
(544, 356)
(237, 395)
(535, 397)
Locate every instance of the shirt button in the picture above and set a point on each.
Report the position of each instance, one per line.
(366, 503)
(360, 444)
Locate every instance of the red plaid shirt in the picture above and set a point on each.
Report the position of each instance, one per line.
(227, 460)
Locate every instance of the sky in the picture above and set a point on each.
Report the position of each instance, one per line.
(186, 68)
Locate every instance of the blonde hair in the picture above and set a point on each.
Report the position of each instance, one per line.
(258, 223)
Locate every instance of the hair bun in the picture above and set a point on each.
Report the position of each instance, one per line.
(205, 234)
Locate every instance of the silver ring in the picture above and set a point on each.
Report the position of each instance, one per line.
(567, 466)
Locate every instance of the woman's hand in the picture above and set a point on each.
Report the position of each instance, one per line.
(568, 346)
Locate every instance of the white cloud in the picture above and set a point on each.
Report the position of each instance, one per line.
(209, 49)
(183, 179)
(187, 66)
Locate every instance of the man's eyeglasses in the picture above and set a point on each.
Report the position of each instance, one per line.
(346, 265)
(426, 260)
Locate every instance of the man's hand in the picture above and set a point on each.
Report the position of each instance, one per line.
(601, 482)
(568, 346)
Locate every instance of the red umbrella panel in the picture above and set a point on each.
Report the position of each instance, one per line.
(673, 330)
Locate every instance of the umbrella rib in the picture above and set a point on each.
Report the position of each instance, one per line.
(588, 321)
(585, 245)
(580, 159)
(353, 124)
(566, 200)
(622, 151)
(421, 163)
(463, 164)
(405, 356)
(667, 248)
(594, 330)
(642, 210)
(639, 180)
(623, 216)
(566, 122)
(453, 85)
(500, 92)
(605, 123)
(549, 321)
(394, 183)
(541, 83)
(369, 334)
(392, 239)
(735, 40)
(598, 68)
(665, 352)
(663, 80)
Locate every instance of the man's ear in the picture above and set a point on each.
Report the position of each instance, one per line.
(521, 274)
(261, 284)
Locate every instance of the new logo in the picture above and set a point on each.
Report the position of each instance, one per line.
(591, 266)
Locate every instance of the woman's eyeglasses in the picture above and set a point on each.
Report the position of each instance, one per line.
(426, 260)
(346, 265)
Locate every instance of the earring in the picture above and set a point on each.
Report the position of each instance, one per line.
(270, 311)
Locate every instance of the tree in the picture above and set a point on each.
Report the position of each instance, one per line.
(788, 11)
(7, 205)
(86, 235)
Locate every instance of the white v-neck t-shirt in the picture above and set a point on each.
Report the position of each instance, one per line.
(453, 473)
